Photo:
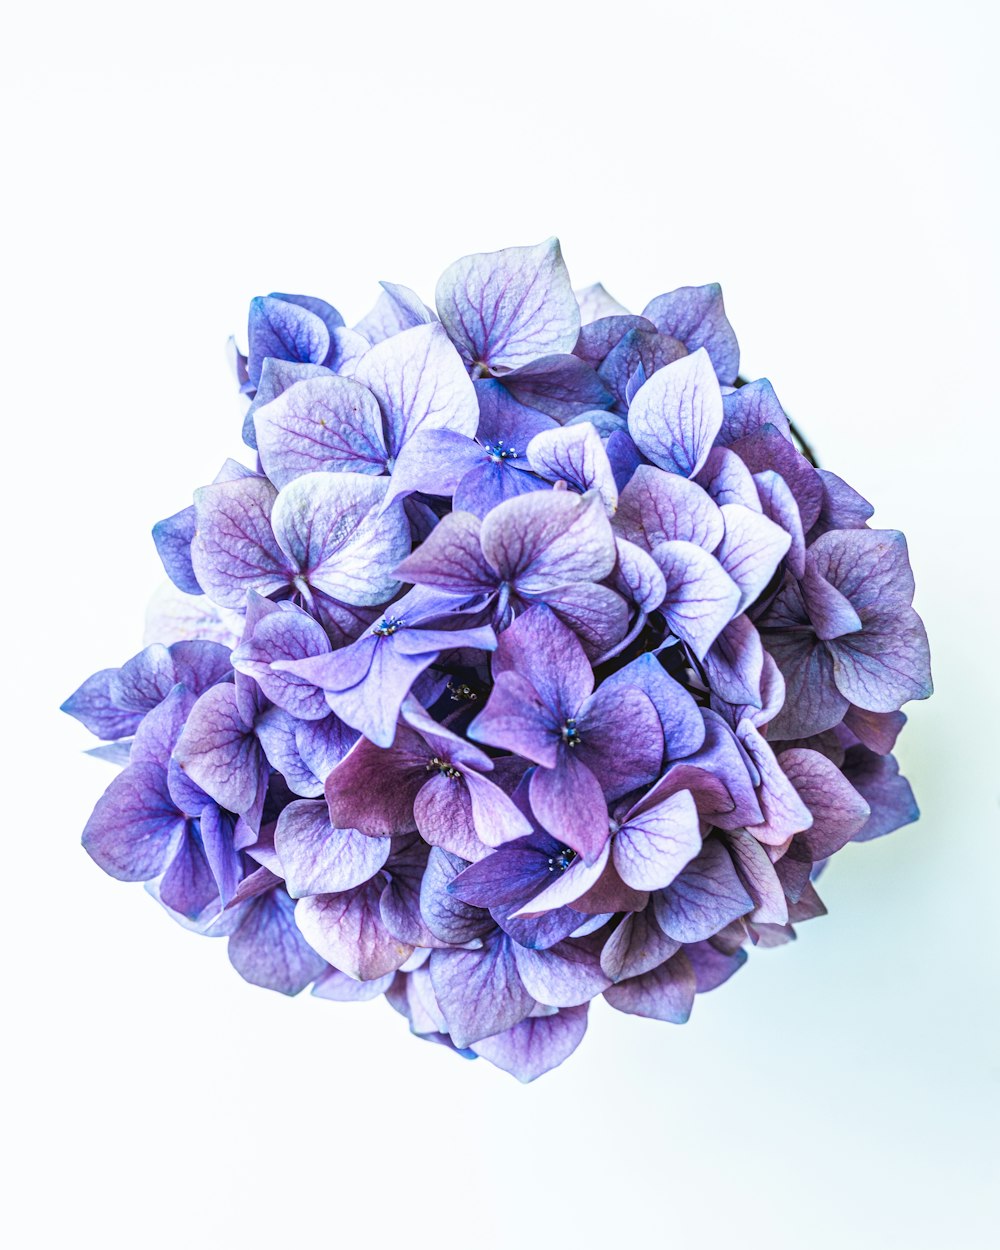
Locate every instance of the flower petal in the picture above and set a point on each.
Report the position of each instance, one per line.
(676, 415)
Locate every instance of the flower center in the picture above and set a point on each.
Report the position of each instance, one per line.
(561, 860)
(570, 734)
(387, 626)
(444, 768)
(499, 451)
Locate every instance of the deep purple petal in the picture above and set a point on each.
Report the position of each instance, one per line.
(696, 315)
(704, 897)
(665, 993)
(268, 949)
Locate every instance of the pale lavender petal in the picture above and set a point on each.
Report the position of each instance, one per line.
(234, 549)
(338, 987)
(327, 424)
(713, 967)
(576, 455)
(548, 539)
(734, 664)
(420, 383)
(220, 753)
(676, 415)
(727, 479)
(536, 1045)
(348, 931)
(838, 810)
(783, 809)
(594, 302)
(778, 503)
(657, 507)
(697, 316)
(886, 664)
(701, 597)
(447, 917)
(749, 409)
(480, 991)
(655, 842)
(451, 558)
(504, 309)
(285, 633)
(566, 975)
(318, 859)
(751, 550)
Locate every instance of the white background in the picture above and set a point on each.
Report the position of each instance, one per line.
(834, 166)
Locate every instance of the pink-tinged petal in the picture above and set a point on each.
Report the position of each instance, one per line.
(838, 810)
(234, 549)
(547, 539)
(757, 873)
(504, 309)
(812, 701)
(877, 730)
(318, 859)
(885, 665)
(727, 479)
(637, 945)
(536, 1045)
(268, 950)
(783, 809)
(658, 507)
(570, 804)
(443, 812)
(752, 408)
(565, 975)
(348, 932)
(751, 550)
(542, 650)
(400, 900)
(877, 780)
(357, 794)
(332, 527)
(609, 894)
(665, 993)
(734, 664)
(575, 454)
(495, 818)
(652, 847)
(701, 597)
(480, 991)
(516, 719)
(696, 315)
(323, 424)
(447, 917)
(451, 558)
(135, 828)
(704, 897)
(220, 753)
(713, 967)
(420, 383)
(676, 415)
(778, 503)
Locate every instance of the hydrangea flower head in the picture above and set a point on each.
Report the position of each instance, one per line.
(534, 661)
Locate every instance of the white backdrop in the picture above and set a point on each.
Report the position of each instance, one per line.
(833, 165)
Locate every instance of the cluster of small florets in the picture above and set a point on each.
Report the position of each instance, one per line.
(533, 662)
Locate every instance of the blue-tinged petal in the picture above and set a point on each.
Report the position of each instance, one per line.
(877, 779)
(188, 886)
(843, 508)
(749, 409)
(769, 451)
(396, 309)
(734, 664)
(338, 987)
(507, 308)
(221, 754)
(480, 991)
(319, 307)
(286, 633)
(885, 665)
(545, 653)
(812, 701)
(598, 337)
(420, 384)
(680, 719)
(276, 376)
(727, 479)
(135, 828)
(676, 415)
(326, 424)
(447, 917)
(93, 707)
(451, 558)
(173, 537)
(713, 967)
(318, 859)
(234, 549)
(286, 331)
(637, 576)
(223, 857)
(665, 993)
(331, 527)
(143, 681)
(637, 356)
(778, 503)
(434, 461)
(560, 386)
(697, 316)
(268, 949)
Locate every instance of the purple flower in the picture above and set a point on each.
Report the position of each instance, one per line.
(533, 662)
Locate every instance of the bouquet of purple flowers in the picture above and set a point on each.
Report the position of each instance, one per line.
(536, 660)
